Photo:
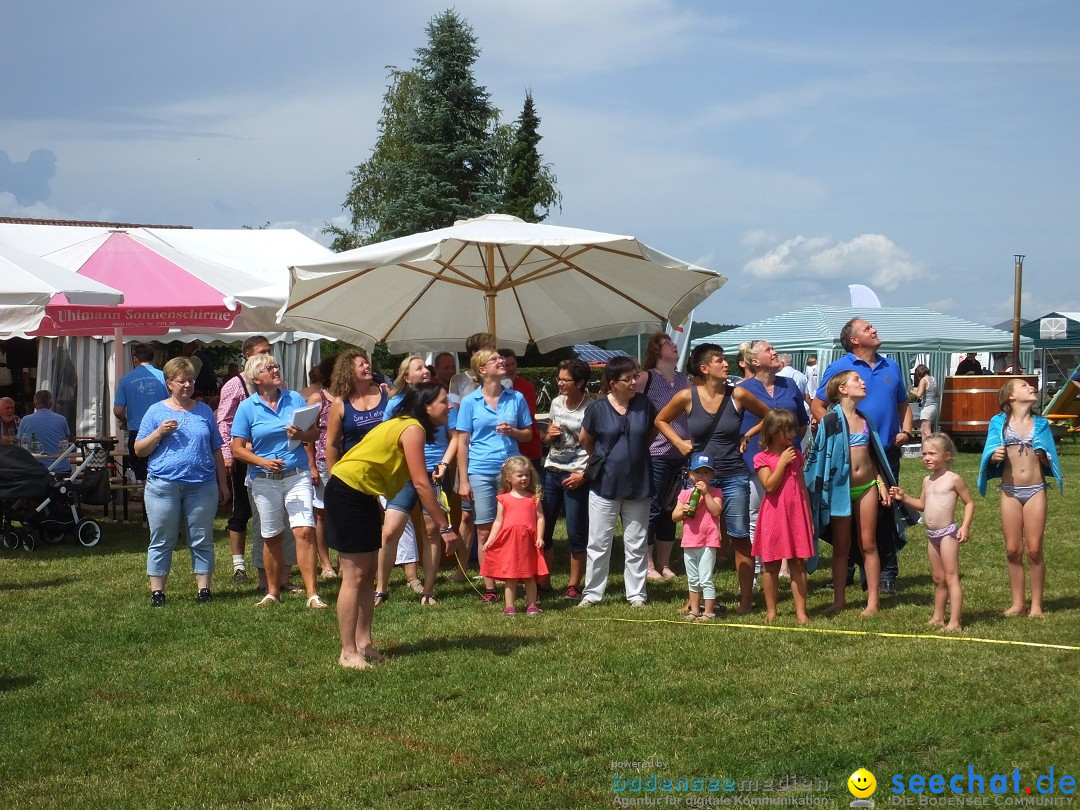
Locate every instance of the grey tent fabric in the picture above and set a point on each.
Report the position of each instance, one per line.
(906, 333)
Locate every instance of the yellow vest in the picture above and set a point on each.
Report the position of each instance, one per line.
(377, 465)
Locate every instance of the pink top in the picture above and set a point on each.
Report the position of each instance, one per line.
(702, 530)
(233, 392)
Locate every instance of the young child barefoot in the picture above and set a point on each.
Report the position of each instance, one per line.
(700, 536)
(941, 490)
(1020, 450)
(784, 528)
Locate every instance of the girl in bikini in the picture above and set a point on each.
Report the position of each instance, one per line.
(941, 490)
(844, 476)
(1020, 451)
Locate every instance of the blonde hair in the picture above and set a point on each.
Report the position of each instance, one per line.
(832, 390)
(481, 358)
(402, 372)
(944, 444)
(512, 465)
(177, 366)
(256, 364)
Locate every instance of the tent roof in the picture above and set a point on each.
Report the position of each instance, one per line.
(901, 328)
(264, 254)
(1063, 338)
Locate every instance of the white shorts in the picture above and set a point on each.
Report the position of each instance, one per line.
(273, 499)
(320, 488)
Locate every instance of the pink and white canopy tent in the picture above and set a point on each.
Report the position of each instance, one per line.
(163, 288)
(28, 283)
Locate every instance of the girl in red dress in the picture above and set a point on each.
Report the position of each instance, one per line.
(514, 551)
(784, 527)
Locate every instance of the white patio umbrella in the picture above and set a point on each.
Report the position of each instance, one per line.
(28, 283)
(523, 282)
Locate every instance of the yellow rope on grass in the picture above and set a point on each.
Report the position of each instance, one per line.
(838, 632)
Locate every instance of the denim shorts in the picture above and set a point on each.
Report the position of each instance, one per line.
(485, 489)
(736, 504)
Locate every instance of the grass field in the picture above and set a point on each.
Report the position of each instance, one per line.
(105, 702)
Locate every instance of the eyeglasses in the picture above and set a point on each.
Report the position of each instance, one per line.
(183, 382)
(629, 380)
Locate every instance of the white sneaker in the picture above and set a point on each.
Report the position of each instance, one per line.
(637, 603)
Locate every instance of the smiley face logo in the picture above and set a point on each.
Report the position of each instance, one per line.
(861, 783)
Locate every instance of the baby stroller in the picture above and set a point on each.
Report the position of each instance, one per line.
(41, 502)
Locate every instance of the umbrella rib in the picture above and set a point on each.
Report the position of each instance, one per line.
(517, 298)
(344, 280)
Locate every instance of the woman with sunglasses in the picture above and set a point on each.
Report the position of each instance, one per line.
(265, 438)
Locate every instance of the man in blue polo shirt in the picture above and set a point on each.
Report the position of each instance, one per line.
(49, 427)
(137, 390)
(887, 406)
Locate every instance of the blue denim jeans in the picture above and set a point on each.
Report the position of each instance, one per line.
(576, 504)
(169, 502)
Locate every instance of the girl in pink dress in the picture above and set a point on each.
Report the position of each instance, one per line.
(514, 550)
(784, 528)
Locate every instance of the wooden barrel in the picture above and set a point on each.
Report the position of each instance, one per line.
(968, 403)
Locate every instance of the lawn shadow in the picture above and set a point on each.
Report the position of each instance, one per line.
(9, 683)
(500, 645)
(55, 582)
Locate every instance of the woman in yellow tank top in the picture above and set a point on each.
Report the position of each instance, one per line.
(387, 457)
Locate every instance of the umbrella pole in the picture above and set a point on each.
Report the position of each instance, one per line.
(490, 294)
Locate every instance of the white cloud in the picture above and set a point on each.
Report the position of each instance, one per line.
(869, 258)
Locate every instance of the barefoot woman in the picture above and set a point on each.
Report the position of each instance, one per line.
(390, 454)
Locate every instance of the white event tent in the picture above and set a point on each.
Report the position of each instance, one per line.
(905, 332)
(264, 255)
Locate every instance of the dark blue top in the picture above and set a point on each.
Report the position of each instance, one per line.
(624, 441)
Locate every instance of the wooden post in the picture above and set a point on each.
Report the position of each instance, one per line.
(1017, 284)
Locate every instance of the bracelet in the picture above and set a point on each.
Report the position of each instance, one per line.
(446, 529)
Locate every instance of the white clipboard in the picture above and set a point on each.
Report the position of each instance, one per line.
(302, 419)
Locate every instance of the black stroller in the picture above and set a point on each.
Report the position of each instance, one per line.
(42, 503)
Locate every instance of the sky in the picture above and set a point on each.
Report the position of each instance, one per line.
(796, 147)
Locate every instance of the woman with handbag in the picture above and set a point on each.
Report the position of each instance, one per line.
(616, 432)
(565, 487)
(660, 381)
(714, 412)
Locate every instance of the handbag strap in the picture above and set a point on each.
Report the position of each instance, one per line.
(715, 420)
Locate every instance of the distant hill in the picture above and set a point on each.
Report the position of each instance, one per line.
(700, 329)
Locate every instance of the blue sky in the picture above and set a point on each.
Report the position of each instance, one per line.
(796, 147)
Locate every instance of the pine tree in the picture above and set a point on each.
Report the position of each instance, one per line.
(529, 184)
(435, 160)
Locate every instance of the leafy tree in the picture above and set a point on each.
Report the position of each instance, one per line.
(435, 161)
(528, 183)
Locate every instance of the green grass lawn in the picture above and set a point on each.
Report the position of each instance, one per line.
(105, 702)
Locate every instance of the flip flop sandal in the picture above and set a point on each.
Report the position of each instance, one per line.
(381, 596)
(428, 600)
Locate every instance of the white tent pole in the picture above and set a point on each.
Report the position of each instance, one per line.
(118, 365)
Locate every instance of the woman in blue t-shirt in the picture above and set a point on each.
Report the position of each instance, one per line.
(492, 420)
(185, 479)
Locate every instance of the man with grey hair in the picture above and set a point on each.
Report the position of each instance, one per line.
(887, 406)
(795, 375)
(9, 422)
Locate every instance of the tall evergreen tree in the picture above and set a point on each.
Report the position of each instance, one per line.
(528, 184)
(435, 161)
